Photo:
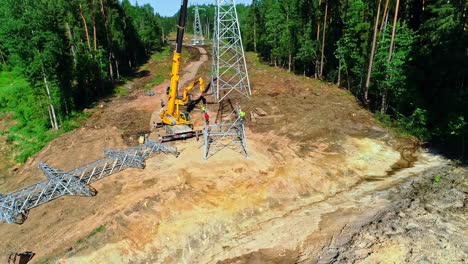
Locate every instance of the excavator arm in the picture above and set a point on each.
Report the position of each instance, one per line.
(185, 96)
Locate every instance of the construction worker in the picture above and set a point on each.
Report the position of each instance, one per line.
(207, 118)
(203, 109)
(162, 103)
(241, 114)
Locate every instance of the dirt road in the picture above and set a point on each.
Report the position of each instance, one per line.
(312, 182)
(153, 103)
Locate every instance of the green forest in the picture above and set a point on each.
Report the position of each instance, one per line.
(404, 60)
(59, 57)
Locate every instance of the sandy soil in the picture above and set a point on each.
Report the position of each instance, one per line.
(316, 175)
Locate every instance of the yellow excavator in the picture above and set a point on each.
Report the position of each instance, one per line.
(177, 122)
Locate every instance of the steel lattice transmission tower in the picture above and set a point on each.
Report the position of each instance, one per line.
(197, 28)
(229, 68)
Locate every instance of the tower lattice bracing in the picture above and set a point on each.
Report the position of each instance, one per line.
(229, 70)
(197, 28)
(228, 132)
(14, 206)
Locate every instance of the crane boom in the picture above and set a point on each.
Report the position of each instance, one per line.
(177, 122)
(170, 116)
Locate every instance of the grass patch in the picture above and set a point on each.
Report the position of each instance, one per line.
(158, 80)
(31, 131)
(4, 188)
(187, 55)
(30, 139)
(164, 68)
(159, 56)
(257, 62)
(396, 127)
(45, 261)
(347, 94)
(148, 87)
(90, 235)
(120, 91)
(413, 126)
(437, 179)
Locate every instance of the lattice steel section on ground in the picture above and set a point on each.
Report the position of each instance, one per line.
(14, 206)
(197, 28)
(229, 68)
(227, 132)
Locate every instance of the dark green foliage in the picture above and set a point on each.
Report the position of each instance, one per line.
(425, 82)
(49, 61)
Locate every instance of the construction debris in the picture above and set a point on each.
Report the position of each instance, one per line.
(261, 117)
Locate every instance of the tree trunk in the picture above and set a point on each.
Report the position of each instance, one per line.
(338, 83)
(50, 116)
(323, 39)
(70, 38)
(384, 15)
(392, 41)
(385, 24)
(111, 69)
(53, 117)
(102, 10)
(371, 60)
(318, 22)
(289, 45)
(255, 34)
(93, 11)
(348, 81)
(6, 68)
(85, 26)
(318, 39)
(383, 108)
(116, 67)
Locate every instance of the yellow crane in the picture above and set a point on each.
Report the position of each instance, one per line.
(178, 124)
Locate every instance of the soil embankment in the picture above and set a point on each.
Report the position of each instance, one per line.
(320, 170)
(426, 223)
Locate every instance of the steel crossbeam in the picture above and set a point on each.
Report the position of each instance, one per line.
(229, 69)
(76, 181)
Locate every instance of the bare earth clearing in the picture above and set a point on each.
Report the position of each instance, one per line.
(321, 175)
